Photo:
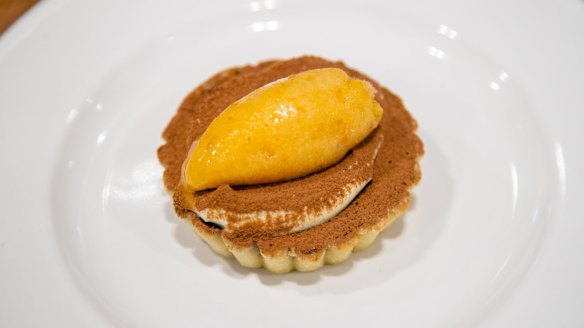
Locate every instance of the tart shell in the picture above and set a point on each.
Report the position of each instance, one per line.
(396, 171)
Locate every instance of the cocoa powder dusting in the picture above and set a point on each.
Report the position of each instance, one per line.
(395, 170)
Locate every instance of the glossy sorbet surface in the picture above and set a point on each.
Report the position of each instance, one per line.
(284, 130)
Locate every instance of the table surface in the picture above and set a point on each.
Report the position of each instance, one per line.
(10, 10)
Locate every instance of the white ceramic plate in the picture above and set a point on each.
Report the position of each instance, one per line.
(87, 233)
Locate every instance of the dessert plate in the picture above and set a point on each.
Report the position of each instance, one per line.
(88, 236)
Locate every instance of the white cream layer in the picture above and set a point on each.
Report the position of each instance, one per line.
(293, 220)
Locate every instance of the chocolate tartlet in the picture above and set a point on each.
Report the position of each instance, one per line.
(388, 159)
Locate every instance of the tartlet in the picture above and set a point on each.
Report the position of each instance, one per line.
(388, 158)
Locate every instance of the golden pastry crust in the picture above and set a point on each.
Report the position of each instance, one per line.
(289, 259)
